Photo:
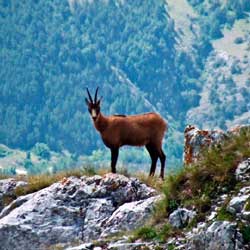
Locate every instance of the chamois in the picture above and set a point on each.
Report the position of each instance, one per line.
(135, 130)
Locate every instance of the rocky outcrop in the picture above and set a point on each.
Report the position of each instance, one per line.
(181, 217)
(239, 205)
(219, 235)
(243, 171)
(196, 140)
(76, 209)
(7, 190)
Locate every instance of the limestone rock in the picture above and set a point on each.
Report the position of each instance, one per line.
(242, 172)
(124, 217)
(7, 190)
(181, 217)
(75, 209)
(219, 235)
(196, 140)
(237, 203)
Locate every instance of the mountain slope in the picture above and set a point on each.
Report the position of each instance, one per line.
(144, 55)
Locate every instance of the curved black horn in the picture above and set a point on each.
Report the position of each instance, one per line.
(96, 94)
(90, 98)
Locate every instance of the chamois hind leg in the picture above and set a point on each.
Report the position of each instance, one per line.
(162, 159)
(114, 157)
(154, 157)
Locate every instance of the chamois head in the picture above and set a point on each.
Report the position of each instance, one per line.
(93, 106)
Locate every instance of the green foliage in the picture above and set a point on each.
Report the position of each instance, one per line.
(10, 171)
(196, 185)
(165, 232)
(145, 233)
(171, 247)
(215, 15)
(4, 151)
(157, 233)
(245, 230)
(41, 150)
(223, 214)
(52, 50)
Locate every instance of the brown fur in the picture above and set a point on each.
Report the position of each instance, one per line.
(134, 130)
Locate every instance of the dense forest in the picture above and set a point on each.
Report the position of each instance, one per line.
(52, 50)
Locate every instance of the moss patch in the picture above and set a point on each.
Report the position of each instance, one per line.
(223, 215)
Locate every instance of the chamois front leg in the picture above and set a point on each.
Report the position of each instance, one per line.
(114, 157)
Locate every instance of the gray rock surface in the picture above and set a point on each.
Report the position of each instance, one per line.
(197, 139)
(181, 217)
(239, 203)
(221, 235)
(76, 209)
(242, 172)
(7, 190)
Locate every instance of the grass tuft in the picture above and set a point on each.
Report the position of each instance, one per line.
(245, 230)
(38, 182)
(196, 185)
(145, 233)
(224, 215)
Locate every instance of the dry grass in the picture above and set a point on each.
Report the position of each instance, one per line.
(196, 185)
(38, 182)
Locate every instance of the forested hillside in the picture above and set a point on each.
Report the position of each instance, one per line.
(134, 50)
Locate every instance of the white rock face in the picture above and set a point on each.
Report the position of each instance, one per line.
(221, 235)
(181, 217)
(7, 189)
(76, 209)
(242, 172)
(124, 217)
(237, 203)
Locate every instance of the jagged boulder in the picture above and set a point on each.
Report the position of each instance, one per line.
(7, 190)
(222, 235)
(239, 205)
(181, 217)
(76, 209)
(195, 140)
(242, 172)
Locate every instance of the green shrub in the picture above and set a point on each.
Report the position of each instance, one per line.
(42, 150)
(165, 232)
(145, 233)
(245, 230)
(223, 215)
(4, 151)
(197, 184)
(6, 172)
